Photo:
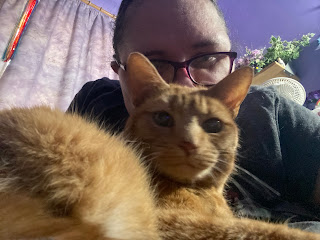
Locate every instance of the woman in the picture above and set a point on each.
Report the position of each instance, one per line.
(279, 139)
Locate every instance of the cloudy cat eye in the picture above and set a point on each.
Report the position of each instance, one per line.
(163, 119)
(212, 125)
(205, 69)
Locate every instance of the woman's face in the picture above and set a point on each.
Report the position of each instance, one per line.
(174, 30)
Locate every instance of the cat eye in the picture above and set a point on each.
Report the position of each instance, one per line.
(163, 119)
(212, 125)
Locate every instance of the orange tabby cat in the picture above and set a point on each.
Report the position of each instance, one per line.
(190, 140)
(62, 176)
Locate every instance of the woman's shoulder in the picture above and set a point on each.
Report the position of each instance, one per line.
(259, 98)
(101, 85)
(261, 93)
(98, 95)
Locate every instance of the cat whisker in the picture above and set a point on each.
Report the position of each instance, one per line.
(258, 180)
(245, 194)
(222, 172)
(224, 152)
(255, 178)
(150, 163)
(133, 142)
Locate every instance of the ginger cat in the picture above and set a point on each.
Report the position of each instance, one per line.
(189, 140)
(63, 177)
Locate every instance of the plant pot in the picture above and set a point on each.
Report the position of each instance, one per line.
(271, 71)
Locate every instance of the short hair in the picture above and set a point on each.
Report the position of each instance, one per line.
(121, 21)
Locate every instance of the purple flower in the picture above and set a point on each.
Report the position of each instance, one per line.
(256, 52)
(247, 62)
(240, 61)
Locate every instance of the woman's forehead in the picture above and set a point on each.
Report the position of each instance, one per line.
(170, 27)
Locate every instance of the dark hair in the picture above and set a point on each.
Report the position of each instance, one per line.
(121, 21)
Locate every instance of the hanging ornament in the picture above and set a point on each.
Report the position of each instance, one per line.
(318, 44)
(17, 33)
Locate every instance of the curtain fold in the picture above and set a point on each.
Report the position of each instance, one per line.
(66, 44)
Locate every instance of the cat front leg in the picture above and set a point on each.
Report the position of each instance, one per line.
(22, 217)
(177, 225)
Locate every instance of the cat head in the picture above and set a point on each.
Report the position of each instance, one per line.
(188, 134)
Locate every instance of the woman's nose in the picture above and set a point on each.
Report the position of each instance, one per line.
(182, 78)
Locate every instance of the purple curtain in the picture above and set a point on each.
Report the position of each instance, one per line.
(66, 44)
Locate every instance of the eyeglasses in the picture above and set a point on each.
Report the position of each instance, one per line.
(205, 69)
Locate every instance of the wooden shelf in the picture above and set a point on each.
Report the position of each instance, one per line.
(272, 71)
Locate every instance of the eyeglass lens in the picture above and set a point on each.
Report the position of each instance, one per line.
(205, 70)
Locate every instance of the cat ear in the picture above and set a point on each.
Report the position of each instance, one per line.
(143, 79)
(233, 89)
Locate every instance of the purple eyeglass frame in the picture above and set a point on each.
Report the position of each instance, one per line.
(186, 64)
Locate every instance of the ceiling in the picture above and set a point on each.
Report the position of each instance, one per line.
(111, 6)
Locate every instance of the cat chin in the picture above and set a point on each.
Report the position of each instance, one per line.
(186, 173)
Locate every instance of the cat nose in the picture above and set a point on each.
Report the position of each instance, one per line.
(187, 147)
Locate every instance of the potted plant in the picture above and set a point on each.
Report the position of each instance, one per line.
(273, 58)
(253, 58)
